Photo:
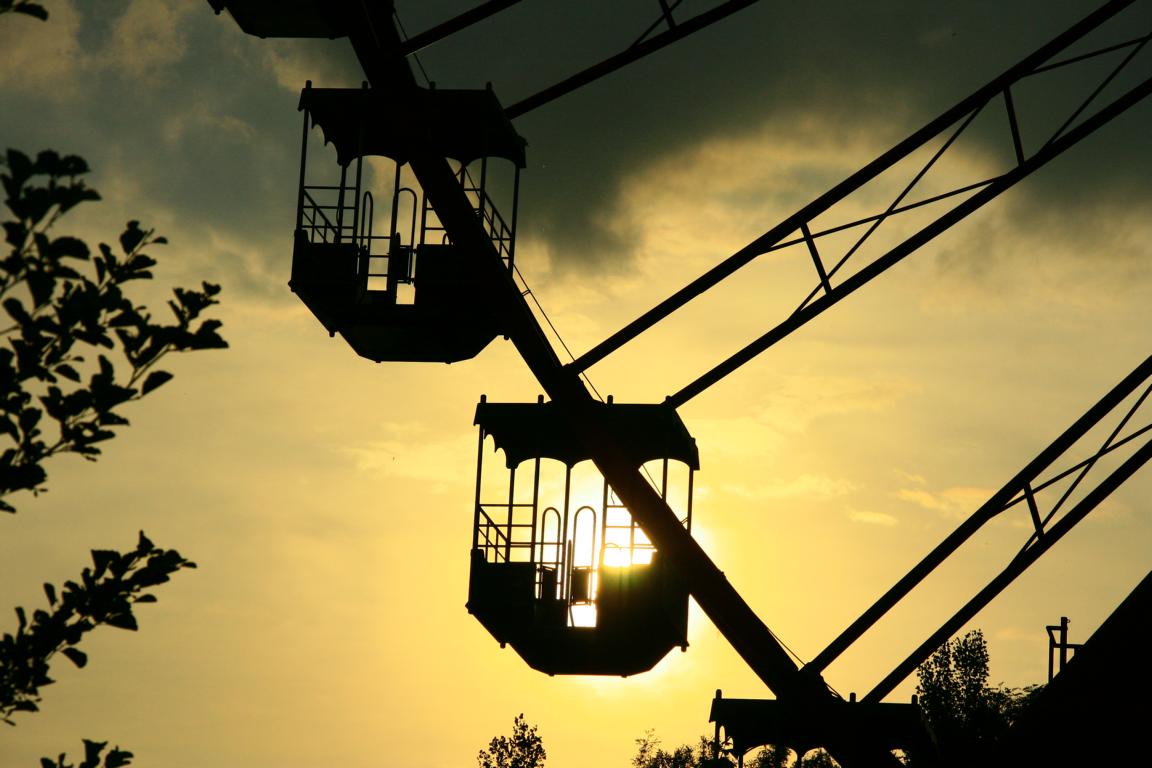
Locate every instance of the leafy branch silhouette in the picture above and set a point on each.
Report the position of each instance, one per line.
(105, 595)
(93, 752)
(60, 315)
(25, 7)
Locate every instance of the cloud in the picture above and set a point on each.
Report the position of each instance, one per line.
(41, 56)
(798, 400)
(147, 40)
(872, 518)
(58, 58)
(783, 418)
(328, 64)
(427, 456)
(806, 486)
(717, 195)
(749, 75)
(955, 501)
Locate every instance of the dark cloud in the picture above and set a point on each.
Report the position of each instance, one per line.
(880, 66)
(206, 130)
(214, 132)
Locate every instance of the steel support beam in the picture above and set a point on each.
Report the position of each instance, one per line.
(1022, 482)
(636, 52)
(996, 187)
(379, 50)
(454, 25)
(1019, 564)
(821, 204)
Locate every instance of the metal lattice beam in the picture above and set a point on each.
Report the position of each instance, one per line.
(1039, 475)
(642, 48)
(945, 129)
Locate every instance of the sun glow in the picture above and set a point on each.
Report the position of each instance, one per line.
(583, 615)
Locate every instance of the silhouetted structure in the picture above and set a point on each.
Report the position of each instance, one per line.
(746, 724)
(526, 582)
(1095, 707)
(1059, 647)
(282, 18)
(404, 291)
(564, 574)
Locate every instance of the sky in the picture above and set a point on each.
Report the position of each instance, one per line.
(327, 499)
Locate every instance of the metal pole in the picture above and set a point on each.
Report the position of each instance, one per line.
(479, 469)
(303, 165)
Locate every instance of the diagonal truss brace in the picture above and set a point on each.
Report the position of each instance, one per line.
(1017, 566)
(1038, 476)
(816, 303)
(426, 38)
(641, 48)
(947, 128)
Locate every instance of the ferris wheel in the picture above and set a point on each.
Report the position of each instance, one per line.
(582, 557)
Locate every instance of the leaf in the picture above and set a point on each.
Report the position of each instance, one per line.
(76, 656)
(141, 262)
(206, 337)
(131, 237)
(118, 758)
(14, 231)
(144, 545)
(154, 380)
(47, 162)
(41, 285)
(122, 621)
(63, 247)
(21, 477)
(17, 312)
(112, 419)
(50, 591)
(67, 372)
(92, 750)
(145, 599)
(8, 427)
(29, 418)
(102, 559)
(19, 164)
(32, 9)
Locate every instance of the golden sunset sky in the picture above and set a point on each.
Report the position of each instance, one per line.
(328, 499)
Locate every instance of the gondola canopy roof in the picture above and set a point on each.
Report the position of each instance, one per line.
(645, 432)
(463, 125)
(282, 18)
